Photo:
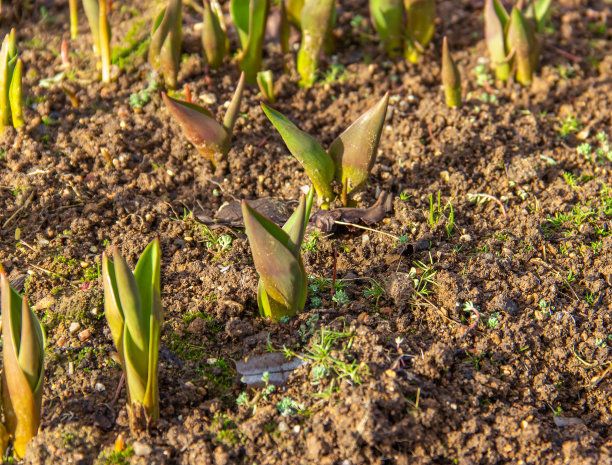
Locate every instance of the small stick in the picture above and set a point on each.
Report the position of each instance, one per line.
(187, 94)
(567, 54)
(344, 223)
(118, 391)
(431, 137)
(261, 144)
(25, 205)
(64, 54)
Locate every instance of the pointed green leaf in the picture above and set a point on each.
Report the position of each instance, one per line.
(542, 13)
(209, 137)
(92, 13)
(317, 163)
(295, 226)
(354, 151)
(520, 41)
(16, 96)
(166, 40)
(234, 107)
(112, 305)
(130, 299)
(420, 26)
(5, 110)
(214, 38)
(21, 403)
(281, 272)
(451, 80)
(388, 20)
(250, 57)
(31, 352)
(265, 81)
(294, 12)
(284, 28)
(316, 20)
(495, 19)
(239, 10)
(136, 368)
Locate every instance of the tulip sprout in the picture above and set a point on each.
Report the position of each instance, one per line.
(11, 92)
(513, 40)
(451, 79)
(404, 23)
(214, 36)
(388, 20)
(211, 139)
(166, 41)
(265, 81)
(23, 353)
(349, 159)
(250, 19)
(132, 306)
(316, 19)
(100, 30)
(283, 284)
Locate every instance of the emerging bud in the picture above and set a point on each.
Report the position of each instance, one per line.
(250, 19)
(283, 283)
(451, 79)
(265, 81)
(388, 20)
(520, 40)
(495, 20)
(214, 37)
(23, 373)
(354, 151)
(211, 139)
(132, 305)
(166, 41)
(317, 163)
(420, 26)
(350, 157)
(11, 92)
(316, 20)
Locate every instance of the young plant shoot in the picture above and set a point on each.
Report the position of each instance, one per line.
(265, 81)
(317, 18)
(214, 35)
(100, 30)
(250, 19)
(166, 41)
(388, 20)
(11, 92)
(23, 352)
(74, 18)
(283, 284)
(420, 26)
(348, 160)
(211, 139)
(512, 40)
(451, 79)
(132, 306)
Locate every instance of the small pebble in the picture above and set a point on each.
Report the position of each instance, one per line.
(84, 335)
(99, 387)
(282, 427)
(74, 327)
(70, 368)
(141, 449)
(296, 429)
(465, 238)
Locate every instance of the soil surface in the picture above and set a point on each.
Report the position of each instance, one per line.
(471, 325)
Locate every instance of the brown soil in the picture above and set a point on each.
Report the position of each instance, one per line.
(530, 382)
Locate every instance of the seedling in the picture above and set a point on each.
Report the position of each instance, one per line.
(420, 27)
(132, 305)
(250, 19)
(23, 352)
(349, 158)
(11, 92)
(211, 139)
(388, 20)
(166, 41)
(100, 30)
(265, 81)
(283, 286)
(512, 39)
(451, 79)
(316, 22)
(214, 34)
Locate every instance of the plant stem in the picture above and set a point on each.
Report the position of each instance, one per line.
(104, 43)
(74, 19)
